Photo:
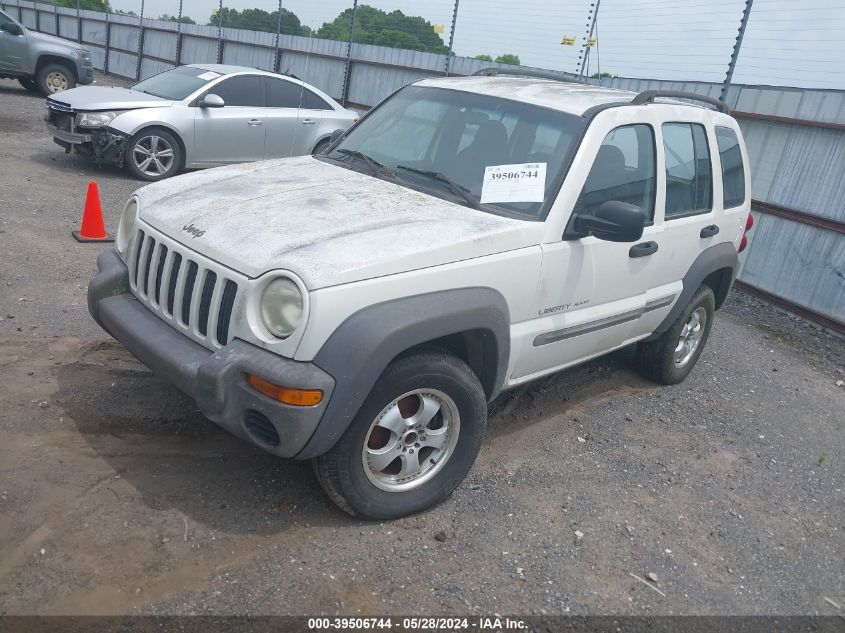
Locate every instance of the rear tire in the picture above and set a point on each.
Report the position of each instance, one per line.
(321, 147)
(153, 154)
(30, 85)
(412, 442)
(53, 78)
(670, 358)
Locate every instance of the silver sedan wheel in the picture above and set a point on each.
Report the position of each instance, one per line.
(691, 335)
(56, 82)
(153, 155)
(411, 440)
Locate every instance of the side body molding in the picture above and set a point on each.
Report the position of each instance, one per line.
(361, 348)
(717, 257)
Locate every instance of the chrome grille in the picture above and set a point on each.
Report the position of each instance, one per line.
(58, 105)
(192, 293)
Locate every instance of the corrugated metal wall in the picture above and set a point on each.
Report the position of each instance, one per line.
(793, 165)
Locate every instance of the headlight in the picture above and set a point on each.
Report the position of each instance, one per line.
(126, 228)
(281, 307)
(95, 119)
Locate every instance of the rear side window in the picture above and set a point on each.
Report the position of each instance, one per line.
(310, 101)
(624, 170)
(283, 94)
(243, 90)
(689, 174)
(733, 172)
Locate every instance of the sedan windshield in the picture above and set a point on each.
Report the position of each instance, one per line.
(176, 84)
(496, 155)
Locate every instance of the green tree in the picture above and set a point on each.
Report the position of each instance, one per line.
(173, 18)
(394, 29)
(601, 75)
(88, 5)
(258, 20)
(508, 58)
(484, 57)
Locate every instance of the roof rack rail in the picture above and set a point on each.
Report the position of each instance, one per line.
(648, 96)
(529, 72)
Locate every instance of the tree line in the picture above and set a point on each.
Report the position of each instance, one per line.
(372, 26)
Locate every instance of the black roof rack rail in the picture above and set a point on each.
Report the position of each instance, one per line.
(648, 96)
(529, 72)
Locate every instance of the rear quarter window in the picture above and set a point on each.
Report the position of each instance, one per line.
(733, 171)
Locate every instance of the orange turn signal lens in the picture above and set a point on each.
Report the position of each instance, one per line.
(295, 397)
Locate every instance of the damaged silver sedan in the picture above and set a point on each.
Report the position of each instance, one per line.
(196, 116)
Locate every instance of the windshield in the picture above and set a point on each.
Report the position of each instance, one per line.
(176, 84)
(497, 155)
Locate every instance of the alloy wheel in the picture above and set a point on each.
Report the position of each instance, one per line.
(690, 338)
(411, 440)
(153, 155)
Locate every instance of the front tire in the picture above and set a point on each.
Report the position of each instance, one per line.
(412, 442)
(53, 78)
(670, 358)
(153, 154)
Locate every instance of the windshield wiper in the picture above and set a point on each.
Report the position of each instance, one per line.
(457, 189)
(376, 168)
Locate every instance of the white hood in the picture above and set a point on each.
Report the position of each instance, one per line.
(327, 224)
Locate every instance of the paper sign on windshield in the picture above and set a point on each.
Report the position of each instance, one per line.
(514, 183)
(209, 76)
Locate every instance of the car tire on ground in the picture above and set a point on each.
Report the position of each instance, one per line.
(30, 85)
(321, 147)
(670, 358)
(153, 154)
(53, 78)
(428, 412)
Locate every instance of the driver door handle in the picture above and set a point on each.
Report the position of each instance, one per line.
(307, 121)
(254, 122)
(709, 231)
(643, 249)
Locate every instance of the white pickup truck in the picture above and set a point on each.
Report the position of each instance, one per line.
(361, 308)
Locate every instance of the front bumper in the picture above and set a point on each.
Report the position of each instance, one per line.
(85, 71)
(216, 381)
(104, 145)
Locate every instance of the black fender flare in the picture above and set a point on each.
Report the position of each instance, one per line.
(362, 347)
(717, 257)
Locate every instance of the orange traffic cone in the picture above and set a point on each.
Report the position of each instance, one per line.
(93, 228)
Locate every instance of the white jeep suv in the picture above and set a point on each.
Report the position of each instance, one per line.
(361, 308)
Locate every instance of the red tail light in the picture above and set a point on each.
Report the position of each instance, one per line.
(743, 243)
(749, 223)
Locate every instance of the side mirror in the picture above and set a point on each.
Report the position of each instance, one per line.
(613, 221)
(12, 28)
(212, 101)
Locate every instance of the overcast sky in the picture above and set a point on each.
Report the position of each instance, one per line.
(788, 42)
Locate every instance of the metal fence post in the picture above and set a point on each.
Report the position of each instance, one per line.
(346, 73)
(56, 16)
(585, 49)
(179, 35)
(451, 37)
(277, 60)
(220, 33)
(79, 22)
(108, 43)
(140, 43)
(735, 53)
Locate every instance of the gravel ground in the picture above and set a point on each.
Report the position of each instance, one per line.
(117, 496)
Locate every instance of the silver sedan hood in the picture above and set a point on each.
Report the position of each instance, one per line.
(327, 224)
(100, 98)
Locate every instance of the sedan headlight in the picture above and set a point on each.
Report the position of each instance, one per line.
(95, 119)
(282, 307)
(126, 228)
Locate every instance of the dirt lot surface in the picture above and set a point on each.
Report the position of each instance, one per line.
(117, 496)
